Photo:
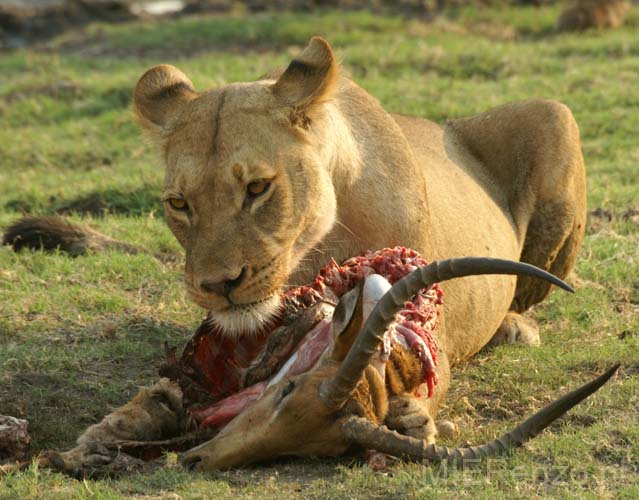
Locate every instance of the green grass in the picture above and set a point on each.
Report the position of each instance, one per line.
(77, 336)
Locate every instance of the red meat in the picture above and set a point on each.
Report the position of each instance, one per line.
(214, 366)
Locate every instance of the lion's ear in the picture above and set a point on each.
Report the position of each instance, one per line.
(309, 78)
(159, 96)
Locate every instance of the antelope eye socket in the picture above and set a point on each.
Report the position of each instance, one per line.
(178, 203)
(256, 188)
(288, 388)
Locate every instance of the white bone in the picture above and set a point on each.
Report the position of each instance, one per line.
(375, 287)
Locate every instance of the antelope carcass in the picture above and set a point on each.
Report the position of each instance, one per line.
(343, 401)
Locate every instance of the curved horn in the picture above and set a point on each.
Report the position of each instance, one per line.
(365, 433)
(335, 391)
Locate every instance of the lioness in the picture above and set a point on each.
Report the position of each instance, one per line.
(265, 181)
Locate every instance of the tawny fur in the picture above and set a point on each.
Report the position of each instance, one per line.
(347, 176)
(404, 372)
(584, 14)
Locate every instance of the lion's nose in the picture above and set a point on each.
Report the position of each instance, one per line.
(224, 286)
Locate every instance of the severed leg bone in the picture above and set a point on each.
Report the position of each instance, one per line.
(155, 413)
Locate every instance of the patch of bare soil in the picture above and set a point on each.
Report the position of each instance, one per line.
(59, 404)
(290, 471)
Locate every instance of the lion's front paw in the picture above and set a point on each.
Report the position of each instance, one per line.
(446, 429)
(408, 415)
(516, 329)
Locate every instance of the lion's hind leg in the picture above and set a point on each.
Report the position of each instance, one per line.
(553, 247)
(532, 150)
(552, 243)
(553, 240)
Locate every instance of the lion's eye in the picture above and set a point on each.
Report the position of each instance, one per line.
(286, 390)
(257, 188)
(178, 203)
(254, 190)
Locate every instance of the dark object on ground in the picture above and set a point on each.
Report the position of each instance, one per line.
(600, 217)
(14, 438)
(97, 462)
(584, 14)
(114, 459)
(51, 233)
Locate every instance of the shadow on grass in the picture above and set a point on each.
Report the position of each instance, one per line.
(86, 374)
(136, 202)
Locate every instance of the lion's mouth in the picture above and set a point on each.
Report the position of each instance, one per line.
(214, 302)
(237, 318)
(246, 318)
(248, 305)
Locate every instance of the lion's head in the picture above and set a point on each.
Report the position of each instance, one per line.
(248, 178)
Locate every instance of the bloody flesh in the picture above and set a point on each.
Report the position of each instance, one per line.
(214, 366)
